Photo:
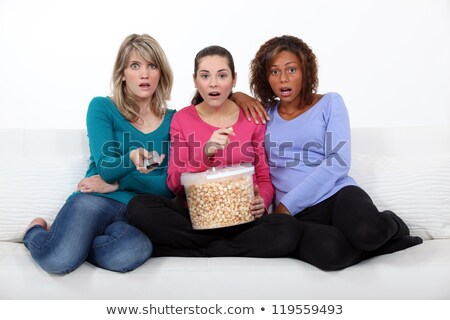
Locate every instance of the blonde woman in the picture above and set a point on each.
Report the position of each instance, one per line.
(124, 130)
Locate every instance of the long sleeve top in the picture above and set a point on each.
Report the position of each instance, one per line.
(309, 156)
(111, 139)
(189, 134)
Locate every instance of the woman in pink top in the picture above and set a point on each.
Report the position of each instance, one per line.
(212, 132)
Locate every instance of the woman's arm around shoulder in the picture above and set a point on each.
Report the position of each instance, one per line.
(253, 109)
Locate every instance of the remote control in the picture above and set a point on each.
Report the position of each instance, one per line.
(153, 161)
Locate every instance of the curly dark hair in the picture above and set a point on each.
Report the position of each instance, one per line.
(260, 67)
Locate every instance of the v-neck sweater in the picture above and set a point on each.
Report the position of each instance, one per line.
(310, 155)
(111, 139)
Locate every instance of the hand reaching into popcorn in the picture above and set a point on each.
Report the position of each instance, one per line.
(218, 141)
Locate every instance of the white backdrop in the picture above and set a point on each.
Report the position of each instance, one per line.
(389, 59)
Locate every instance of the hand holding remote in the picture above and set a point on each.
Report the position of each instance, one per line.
(144, 160)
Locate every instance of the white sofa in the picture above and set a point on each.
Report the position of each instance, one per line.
(403, 169)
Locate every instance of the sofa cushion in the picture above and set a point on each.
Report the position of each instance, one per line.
(35, 187)
(421, 272)
(416, 187)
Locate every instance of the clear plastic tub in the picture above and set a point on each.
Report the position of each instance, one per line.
(219, 197)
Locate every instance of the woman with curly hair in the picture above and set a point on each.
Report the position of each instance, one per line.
(308, 146)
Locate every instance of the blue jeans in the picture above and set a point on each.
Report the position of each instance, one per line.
(92, 228)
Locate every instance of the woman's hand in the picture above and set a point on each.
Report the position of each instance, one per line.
(282, 209)
(257, 207)
(96, 184)
(139, 155)
(252, 108)
(218, 141)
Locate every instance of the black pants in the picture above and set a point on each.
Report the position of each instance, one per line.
(167, 224)
(343, 230)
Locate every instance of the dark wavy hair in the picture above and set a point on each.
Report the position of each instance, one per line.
(212, 51)
(261, 63)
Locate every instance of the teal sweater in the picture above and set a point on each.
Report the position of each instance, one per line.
(111, 139)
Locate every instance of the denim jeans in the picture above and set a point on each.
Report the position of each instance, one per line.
(92, 228)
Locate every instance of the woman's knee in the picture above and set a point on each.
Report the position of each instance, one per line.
(329, 253)
(57, 253)
(368, 235)
(288, 231)
(61, 261)
(330, 258)
(138, 253)
(369, 238)
(121, 248)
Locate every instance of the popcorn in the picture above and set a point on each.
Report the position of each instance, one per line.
(219, 198)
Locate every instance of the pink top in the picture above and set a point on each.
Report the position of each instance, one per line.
(189, 134)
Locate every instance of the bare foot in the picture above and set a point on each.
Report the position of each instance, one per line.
(38, 221)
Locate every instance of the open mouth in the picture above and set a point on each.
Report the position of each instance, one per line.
(214, 94)
(144, 85)
(285, 91)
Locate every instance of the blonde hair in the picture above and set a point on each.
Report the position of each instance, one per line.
(151, 51)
